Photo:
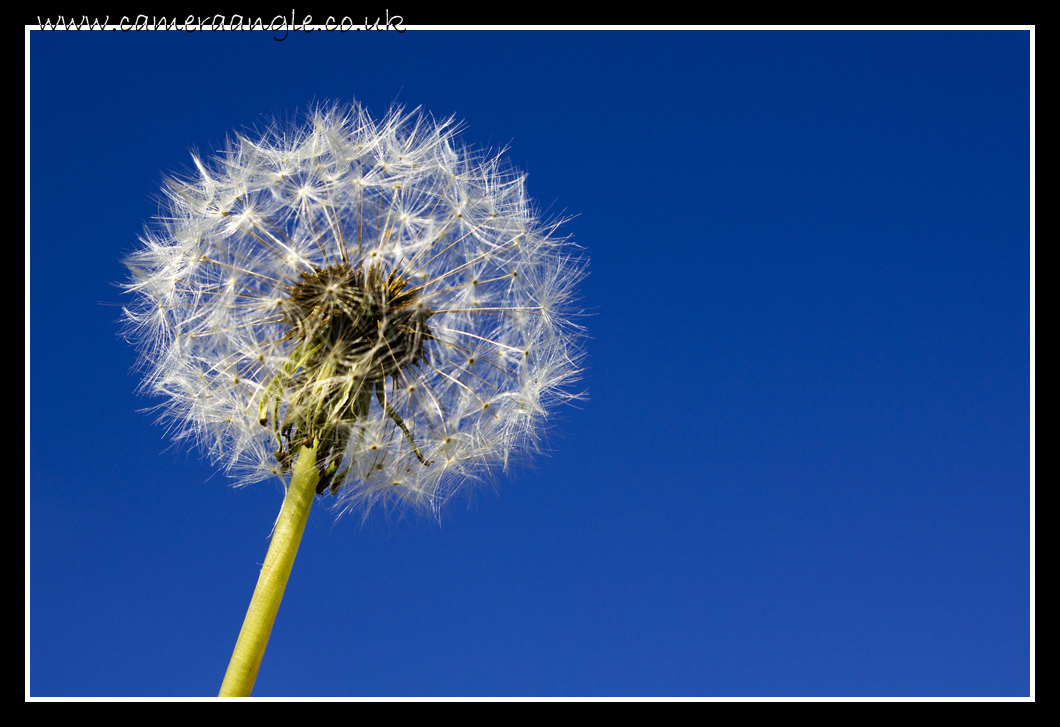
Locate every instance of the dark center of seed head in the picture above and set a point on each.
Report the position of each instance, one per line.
(351, 329)
(366, 321)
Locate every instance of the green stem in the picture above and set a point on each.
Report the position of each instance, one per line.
(254, 636)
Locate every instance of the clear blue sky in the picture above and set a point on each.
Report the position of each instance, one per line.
(803, 467)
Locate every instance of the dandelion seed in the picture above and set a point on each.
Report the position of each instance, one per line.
(361, 305)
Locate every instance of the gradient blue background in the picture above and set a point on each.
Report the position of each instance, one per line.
(803, 467)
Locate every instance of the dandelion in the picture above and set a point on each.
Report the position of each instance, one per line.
(360, 306)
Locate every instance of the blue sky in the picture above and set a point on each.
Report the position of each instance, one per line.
(803, 467)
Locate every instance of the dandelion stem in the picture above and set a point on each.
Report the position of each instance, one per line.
(254, 636)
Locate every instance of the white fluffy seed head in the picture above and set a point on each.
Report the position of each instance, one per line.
(366, 285)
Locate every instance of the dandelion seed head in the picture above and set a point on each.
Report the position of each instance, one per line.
(367, 286)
